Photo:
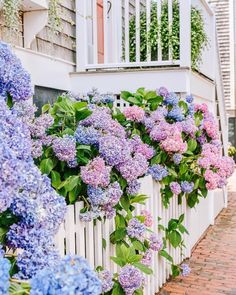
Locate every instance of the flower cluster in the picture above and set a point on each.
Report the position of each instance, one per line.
(30, 197)
(14, 80)
(106, 278)
(130, 279)
(217, 168)
(158, 172)
(136, 229)
(71, 275)
(65, 148)
(4, 275)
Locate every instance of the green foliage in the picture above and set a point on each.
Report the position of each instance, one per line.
(169, 34)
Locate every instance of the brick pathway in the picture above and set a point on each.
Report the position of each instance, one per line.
(213, 261)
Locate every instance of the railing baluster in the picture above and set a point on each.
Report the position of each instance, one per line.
(105, 24)
(81, 35)
(185, 32)
(159, 49)
(95, 32)
(148, 21)
(170, 17)
(126, 30)
(137, 31)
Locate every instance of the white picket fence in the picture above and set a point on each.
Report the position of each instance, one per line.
(86, 239)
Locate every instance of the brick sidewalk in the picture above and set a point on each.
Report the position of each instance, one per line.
(213, 261)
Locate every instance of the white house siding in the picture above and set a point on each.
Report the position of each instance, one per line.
(223, 29)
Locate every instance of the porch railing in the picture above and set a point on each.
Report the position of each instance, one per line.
(108, 33)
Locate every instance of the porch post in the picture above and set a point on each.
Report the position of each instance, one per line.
(185, 32)
(81, 35)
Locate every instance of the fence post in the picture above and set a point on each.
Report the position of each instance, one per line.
(185, 32)
(81, 35)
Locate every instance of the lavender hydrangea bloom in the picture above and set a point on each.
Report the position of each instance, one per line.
(136, 229)
(114, 150)
(133, 187)
(162, 91)
(4, 275)
(134, 167)
(106, 277)
(187, 187)
(175, 188)
(65, 148)
(130, 279)
(158, 172)
(72, 275)
(147, 258)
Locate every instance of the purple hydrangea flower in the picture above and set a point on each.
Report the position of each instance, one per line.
(87, 135)
(147, 258)
(176, 114)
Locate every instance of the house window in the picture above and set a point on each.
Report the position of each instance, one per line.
(44, 95)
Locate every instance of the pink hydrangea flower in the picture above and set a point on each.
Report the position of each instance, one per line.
(134, 113)
(148, 221)
(96, 173)
(201, 107)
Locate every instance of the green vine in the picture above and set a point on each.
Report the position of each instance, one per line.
(54, 18)
(169, 35)
(12, 12)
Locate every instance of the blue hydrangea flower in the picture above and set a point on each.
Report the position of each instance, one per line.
(158, 172)
(72, 275)
(187, 187)
(189, 98)
(87, 135)
(13, 78)
(177, 158)
(4, 275)
(171, 99)
(176, 113)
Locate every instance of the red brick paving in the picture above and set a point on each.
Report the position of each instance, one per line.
(213, 261)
